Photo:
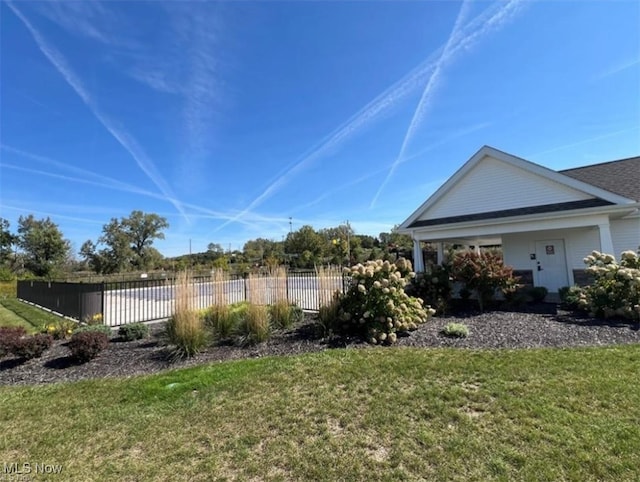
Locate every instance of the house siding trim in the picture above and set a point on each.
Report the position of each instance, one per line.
(546, 208)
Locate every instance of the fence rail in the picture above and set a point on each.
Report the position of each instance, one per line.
(123, 302)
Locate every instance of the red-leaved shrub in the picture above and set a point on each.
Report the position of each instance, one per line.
(32, 346)
(87, 345)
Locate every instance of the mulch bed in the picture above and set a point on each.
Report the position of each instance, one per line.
(540, 326)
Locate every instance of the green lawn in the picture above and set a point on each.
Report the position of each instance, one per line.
(32, 318)
(374, 414)
(9, 318)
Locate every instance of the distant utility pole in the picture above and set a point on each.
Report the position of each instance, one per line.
(290, 223)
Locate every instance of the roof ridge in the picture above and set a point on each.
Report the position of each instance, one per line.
(633, 158)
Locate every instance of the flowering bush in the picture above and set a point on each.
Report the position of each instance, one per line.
(61, 329)
(483, 273)
(95, 319)
(376, 306)
(615, 290)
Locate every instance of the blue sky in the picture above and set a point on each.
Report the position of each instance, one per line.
(228, 118)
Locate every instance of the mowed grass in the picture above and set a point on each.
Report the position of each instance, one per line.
(9, 318)
(33, 318)
(373, 414)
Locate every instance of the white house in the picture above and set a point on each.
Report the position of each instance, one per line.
(546, 221)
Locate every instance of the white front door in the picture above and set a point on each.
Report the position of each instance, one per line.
(551, 265)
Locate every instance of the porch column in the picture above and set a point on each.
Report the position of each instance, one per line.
(606, 242)
(440, 251)
(418, 259)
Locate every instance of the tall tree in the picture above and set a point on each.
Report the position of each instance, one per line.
(142, 229)
(7, 240)
(127, 244)
(306, 247)
(43, 244)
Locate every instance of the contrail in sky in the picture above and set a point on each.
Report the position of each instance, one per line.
(427, 93)
(455, 43)
(384, 102)
(124, 138)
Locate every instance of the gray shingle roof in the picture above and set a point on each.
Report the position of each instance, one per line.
(619, 177)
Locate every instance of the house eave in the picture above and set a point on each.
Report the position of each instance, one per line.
(587, 216)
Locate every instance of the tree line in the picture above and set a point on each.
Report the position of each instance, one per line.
(39, 248)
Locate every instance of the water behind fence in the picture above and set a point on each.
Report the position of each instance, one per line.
(123, 302)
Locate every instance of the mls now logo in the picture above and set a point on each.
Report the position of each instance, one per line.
(28, 468)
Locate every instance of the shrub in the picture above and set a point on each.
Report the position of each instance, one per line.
(516, 297)
(32, 346)
(60, 329)
(538, 293)
(185, 330)
(94, 328)
(133, 331)
(433, 287)
(9, 336)
(376, 306)
(87, 345)
(95, 319)
(483, 273)
(254, 327)
(570, 297)
(456, 330)
(615, 290)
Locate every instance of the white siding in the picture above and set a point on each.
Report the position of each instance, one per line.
(578, 244)
(493, 185)
(625, 234)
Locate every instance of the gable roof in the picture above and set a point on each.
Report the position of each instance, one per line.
(621, 177)
(602, 195)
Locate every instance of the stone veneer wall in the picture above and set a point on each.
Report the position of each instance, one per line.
(525, 275)
(581, 277)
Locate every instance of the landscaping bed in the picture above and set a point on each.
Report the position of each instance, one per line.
(541, 326)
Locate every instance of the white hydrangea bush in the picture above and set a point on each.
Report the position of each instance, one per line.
(615, 291)
(376, 306)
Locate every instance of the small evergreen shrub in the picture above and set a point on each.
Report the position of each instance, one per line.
(538, 293)
(94, 328)
(570, 297)
(516, 298)
(9, 336)
(455, 330)
(33, 346)
(133, 331)
(87, 345)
